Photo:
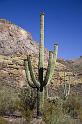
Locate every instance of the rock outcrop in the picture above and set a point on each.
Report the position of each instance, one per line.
(14, 39)
(15, 44)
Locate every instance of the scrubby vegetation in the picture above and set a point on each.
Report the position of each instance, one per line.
(59, 111)
(73, 107)
(27, 103)
(3, 121)
(8, 100)
(54, 114)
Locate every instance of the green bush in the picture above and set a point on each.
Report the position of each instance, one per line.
(27, 102)
(53, 114)
(3, 121)
(8, 100)
(72, 106)
(12, 100)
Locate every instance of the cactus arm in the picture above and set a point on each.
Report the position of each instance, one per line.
(51, 65)
(66, 86)
(48, 69)
(36, 83)
(53, 62)
(69, 88)
(55, 51)
(28, 75)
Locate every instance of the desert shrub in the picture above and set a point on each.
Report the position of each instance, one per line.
(8, 100)
(12, 100)
(3, 121)
(27, 102)
(53, 113)
(80, 114)
(72, 106)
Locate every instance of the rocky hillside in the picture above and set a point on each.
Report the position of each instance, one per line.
(15, 44)
(14, 39)
(74, 66)
(77, 63)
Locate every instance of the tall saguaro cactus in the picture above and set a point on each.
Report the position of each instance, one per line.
(42, 81)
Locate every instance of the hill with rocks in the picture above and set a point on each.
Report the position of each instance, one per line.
(15, 45)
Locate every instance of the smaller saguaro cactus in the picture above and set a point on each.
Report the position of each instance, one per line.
(66, 86)
(42, 81)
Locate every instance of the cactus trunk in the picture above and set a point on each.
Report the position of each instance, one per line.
(41, 51)
(41, 46)
(40, 103)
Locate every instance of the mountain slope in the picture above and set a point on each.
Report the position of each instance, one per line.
(14, 39)
(15, 44)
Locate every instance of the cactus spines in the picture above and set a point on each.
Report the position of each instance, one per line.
(42, 81)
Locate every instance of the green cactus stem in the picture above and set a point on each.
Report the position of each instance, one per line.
(41, 46)
(40, 103)
(28, 75)
(36, 83)
(66, 86)
(41, 51)
(51, 65)
(53, 62)
(48, 69)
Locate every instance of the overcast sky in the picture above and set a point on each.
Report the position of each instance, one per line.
(63, 22)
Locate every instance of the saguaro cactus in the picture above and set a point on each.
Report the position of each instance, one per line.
(42, 81)
(66, 86)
